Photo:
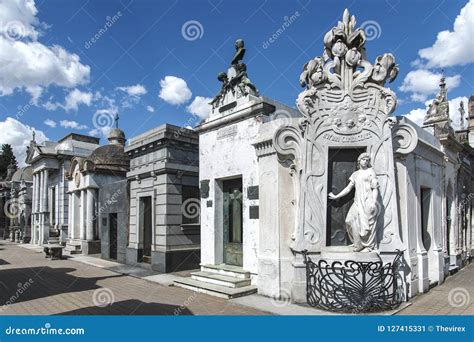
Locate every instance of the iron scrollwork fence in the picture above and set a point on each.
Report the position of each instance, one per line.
(353, 286)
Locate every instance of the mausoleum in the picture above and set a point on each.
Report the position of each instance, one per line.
(164, 220)
(338, 182)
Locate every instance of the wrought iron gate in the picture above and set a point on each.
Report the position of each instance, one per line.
(354, 287)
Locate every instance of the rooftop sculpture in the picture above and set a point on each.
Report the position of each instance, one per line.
(235, 82)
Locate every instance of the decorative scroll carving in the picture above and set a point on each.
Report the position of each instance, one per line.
(404, 138)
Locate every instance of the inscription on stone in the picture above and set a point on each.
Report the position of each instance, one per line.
(227, 132)
(347, 138)
(228, 106)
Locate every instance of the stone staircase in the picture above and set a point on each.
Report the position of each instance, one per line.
(223, 281)
(73, 247)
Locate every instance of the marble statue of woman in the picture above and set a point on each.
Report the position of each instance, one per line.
(362, 216)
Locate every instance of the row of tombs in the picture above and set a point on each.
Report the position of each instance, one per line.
(258, 187)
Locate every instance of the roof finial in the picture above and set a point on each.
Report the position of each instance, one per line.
(116, 119)
(461, 111)
(33, 136)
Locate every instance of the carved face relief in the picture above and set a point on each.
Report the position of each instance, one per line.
(349, 117)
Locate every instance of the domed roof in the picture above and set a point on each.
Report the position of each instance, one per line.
(116, 133)
(111, 157)
(23, 174)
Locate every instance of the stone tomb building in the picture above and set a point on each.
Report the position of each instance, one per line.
(89, 212)
(276, 186)
(164, 199)
(50, 162)
(15, 193)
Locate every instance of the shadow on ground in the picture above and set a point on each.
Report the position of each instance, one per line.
(131, 307)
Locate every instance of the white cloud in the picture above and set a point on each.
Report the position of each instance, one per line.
(50, 123)
(174, 90)
(18, 135)
(134, 90)
(422, 83)
(150, 109)
(28, 64)
(18, 19)
(200, 107)
(453, 47)
(418, 115)
(77, 97)
(72, 125)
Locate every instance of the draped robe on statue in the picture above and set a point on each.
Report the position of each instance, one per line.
(362, 217)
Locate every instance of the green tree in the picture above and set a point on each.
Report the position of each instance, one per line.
(6, 158)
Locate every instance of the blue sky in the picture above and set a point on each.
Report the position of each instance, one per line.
(56, 79)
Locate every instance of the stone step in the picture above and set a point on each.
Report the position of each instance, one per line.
(71, 252)
(215, 290)
(219, 279)
(226, 270)
(74, 246)
(453, 269)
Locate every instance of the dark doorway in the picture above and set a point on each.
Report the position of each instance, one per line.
(146, 226)
(341, 164)
(233, 217)
(425, 205)
(113, 236)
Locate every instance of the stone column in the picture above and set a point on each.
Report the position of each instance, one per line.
(46, 197)
(70, 224)
(33, 209)
(38, 193)
(82, 215)
(90, 215)
(41, 208)
(56, 206)
(33, 193)
(41, 192)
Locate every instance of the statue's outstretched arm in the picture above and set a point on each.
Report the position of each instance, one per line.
(343, 193)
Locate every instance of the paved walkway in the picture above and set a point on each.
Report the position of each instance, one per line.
(33, 285)
(454, 297)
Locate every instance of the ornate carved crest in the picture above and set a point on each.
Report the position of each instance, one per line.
(344, 104)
